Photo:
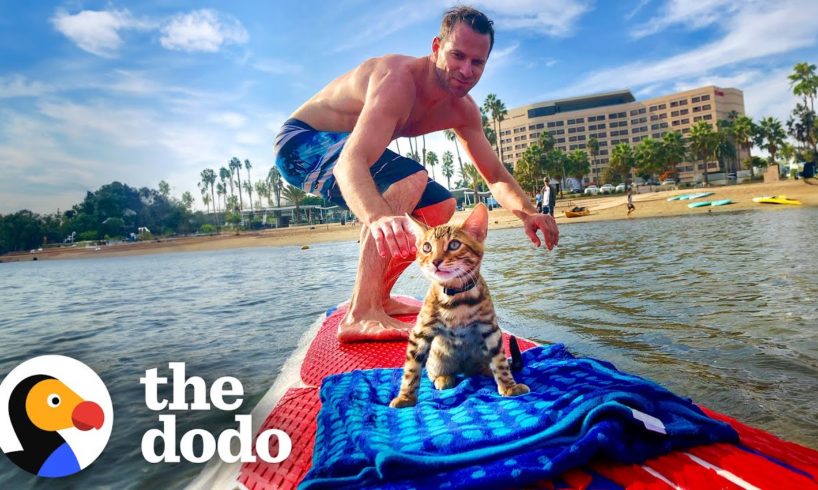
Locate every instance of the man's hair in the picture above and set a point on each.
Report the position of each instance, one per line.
(470, 16)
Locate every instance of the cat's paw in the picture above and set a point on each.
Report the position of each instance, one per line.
(445, 382)
(517, 389)
(403, 401)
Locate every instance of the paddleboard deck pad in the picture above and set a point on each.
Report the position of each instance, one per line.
(759, 460)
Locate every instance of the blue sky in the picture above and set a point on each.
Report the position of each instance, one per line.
(92, 92)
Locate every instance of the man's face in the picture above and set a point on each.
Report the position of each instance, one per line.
(460, 59)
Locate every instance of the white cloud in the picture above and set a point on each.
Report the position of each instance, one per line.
(368, 29)
(97, 32)
(554, 18)
(231, 120)
(202, 30)
(19, 86)
(277, 67)
(693, 14)
(752, 33)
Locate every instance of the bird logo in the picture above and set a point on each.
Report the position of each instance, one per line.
(55, 416)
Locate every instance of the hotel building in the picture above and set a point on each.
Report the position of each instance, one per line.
(617, 117)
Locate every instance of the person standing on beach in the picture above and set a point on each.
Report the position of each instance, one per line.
(631, 207)
(335, 145)
(549, 198)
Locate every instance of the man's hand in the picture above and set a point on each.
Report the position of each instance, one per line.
(393, 236)
(545, 223)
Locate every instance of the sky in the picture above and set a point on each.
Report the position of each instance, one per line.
(93, 92)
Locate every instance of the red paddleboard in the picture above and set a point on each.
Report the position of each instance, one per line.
(760, 460)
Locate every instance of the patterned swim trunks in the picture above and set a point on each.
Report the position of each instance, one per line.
(305, 157)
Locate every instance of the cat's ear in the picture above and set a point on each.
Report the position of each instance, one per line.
(418, 229)
(477, 223)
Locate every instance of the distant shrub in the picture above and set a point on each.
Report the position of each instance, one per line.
(87, 235)
(207, 228)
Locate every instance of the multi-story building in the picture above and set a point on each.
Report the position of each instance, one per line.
(617, 117)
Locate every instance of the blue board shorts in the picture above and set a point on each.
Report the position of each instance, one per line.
(305, 157)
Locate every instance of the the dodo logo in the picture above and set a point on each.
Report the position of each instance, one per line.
(55, 416)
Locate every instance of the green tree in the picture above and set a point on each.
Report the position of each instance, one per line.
(743, 130)
(452, 136)
(474, 178)
(649, 157)
(275, 183)
(771, 136)
(235, 172)
(497, 109)
(448, 167)
(187, 201)
(593, 151)
(295, 195)
(249, 186)
(702, 145)
(674, 151)
(622, 161)
(431, 159)
(804, 83)
(577, 165)
(164, 189)
(209, 180)
(226, 177)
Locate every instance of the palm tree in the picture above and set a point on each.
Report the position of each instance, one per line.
(295, 195)
(235, 169)
(206, 201)
(423, 137)
(649, 157)
(490, 133)
(497, 109)
(743, 132)
(275, 183)
(221, 191)
(248, 166)
(674, 151)
(578, 165)
(473, 176)
(593, 150)
(772, 135)
(249, 189)
(804, 83)
(623, 159)
(263, 190)
(431, 159)
(452, 136)
(208, 179)
(702, 144)
(226, 175)
(448, 167)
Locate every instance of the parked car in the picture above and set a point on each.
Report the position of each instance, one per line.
(607, 189)
(591, 190)
(669, 182)
(620, 188)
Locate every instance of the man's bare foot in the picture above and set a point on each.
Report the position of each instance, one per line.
(396, 307)
(374, 325)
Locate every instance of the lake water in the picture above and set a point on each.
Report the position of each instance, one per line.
(719, 308)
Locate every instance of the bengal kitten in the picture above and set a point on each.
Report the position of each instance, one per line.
(456, 330)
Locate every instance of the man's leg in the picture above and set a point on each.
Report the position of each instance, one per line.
(366, 318)
(432, 215)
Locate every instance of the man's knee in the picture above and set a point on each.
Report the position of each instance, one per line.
(436, 214)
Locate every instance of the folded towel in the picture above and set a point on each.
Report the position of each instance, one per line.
(469, 436)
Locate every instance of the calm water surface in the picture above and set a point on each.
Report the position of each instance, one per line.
(721, 309)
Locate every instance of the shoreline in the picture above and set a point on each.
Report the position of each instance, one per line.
(649, 204)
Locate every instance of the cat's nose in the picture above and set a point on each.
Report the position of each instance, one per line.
(437, 262)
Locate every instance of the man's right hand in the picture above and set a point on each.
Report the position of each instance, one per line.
(393, 236)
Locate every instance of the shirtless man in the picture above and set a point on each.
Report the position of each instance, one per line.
(335, 145)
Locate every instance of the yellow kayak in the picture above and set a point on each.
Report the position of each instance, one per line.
(776, 200)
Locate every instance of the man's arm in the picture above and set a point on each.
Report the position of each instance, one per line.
(501, 183)
(388, 101)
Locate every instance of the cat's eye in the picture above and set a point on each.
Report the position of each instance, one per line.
(454, 245)
(427, 247)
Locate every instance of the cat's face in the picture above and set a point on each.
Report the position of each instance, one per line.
(450, 252)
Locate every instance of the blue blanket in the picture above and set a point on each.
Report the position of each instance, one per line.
(469, 436)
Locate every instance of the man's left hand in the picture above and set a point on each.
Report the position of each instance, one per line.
(544, 223)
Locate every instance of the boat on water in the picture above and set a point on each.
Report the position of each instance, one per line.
(776, 200)
(577, 212)
(757, 460)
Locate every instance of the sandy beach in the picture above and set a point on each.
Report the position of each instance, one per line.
(649, 203)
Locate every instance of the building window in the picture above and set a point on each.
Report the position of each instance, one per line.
(705, 97)
(662, 106)
(653, 108)
(684, 111)
(708, 117)
(552, 124)
(683, 102)
(654, 117)
(697, 109)
(612, 116)
(696, 99)
(634, 112)
(706, 107)
(685, 121)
